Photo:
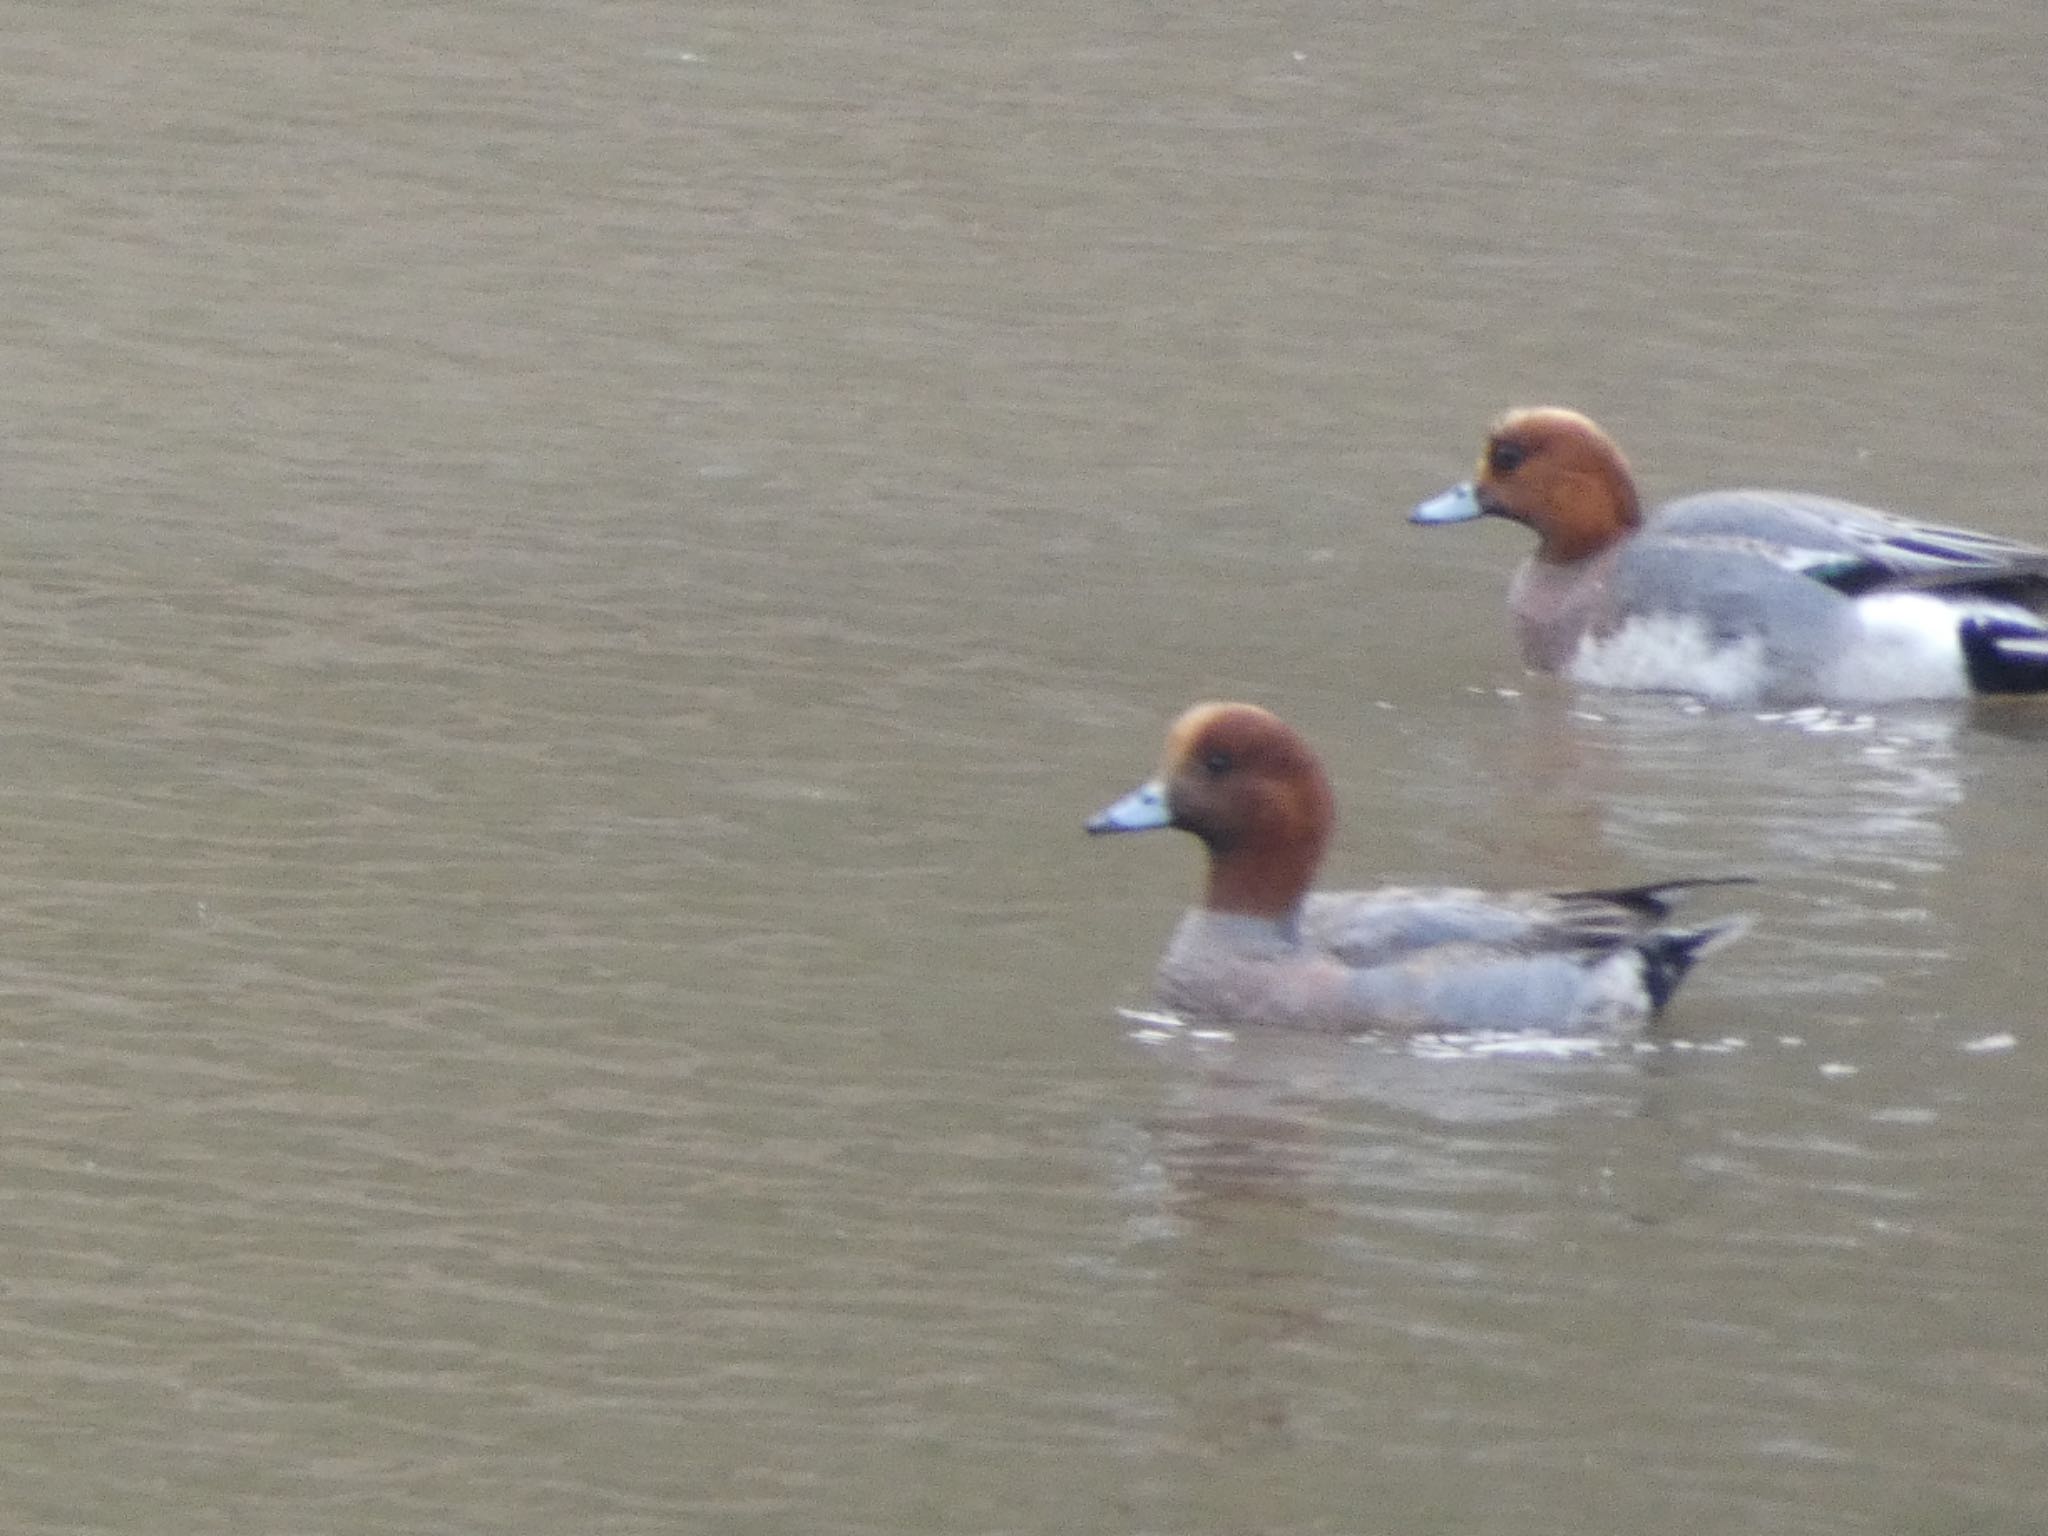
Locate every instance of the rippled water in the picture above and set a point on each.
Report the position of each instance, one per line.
(574, 571)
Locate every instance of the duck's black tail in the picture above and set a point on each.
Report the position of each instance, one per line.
(2004, 655)
(1668, 953)
(1653, 901)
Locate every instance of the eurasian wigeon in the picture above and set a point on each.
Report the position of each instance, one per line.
(1261, 949)
(1747, 596)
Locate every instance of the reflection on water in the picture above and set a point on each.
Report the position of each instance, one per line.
(1850, 814)
(1530, 1235)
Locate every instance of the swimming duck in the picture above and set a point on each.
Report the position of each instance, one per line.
(1747, 596)
(1261, 949)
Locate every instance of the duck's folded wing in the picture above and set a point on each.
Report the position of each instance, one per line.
(1854, 548)
(1370, 928)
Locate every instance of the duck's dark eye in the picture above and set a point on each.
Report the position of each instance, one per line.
(1217, 763)
(1504, 458)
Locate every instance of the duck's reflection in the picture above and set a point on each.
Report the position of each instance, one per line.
(1321, 1212)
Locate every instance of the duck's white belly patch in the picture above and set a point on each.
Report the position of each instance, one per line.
(1904, 646)
(1671, 653)
(1908, 649)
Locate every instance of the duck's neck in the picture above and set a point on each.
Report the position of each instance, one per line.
(1264, 882)
(1592, 514)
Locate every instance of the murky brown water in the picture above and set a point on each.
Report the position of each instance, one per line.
(572, 572)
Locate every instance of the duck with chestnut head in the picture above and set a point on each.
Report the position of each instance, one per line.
(1746, 596)
(1263, 948)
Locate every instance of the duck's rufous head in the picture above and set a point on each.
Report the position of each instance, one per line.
(1240, 779)
(1554, 470)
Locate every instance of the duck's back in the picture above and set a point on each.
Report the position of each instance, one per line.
(1871, 550)
(1793, 519)
(1366, 928)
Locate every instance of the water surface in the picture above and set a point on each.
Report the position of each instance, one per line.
(573, 573)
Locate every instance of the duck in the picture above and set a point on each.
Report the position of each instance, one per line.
(1745, 597)
(1262, 948)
